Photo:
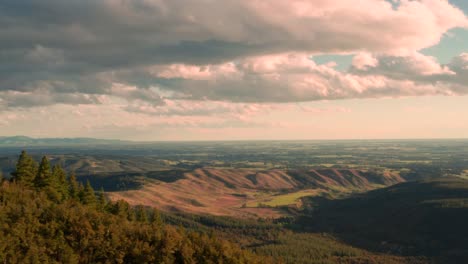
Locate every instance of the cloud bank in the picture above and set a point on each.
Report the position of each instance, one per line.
(159, 56)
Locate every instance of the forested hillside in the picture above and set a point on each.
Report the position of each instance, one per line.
(47, 217)
(426, 218)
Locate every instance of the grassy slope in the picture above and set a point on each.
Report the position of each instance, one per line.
(235, 191)
(293, 198)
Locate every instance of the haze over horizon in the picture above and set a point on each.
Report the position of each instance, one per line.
(53, 141)
(152, 70)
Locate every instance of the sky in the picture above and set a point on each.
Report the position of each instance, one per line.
(234, 69)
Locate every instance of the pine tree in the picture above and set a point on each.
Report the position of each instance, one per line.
(141, 215)
(131, 216)
(44, 175)
(73, 187)
(59, 182)
(156, 218)
(89, 196)
(102, 201)
(26, 169)
(1, 177)
(80, 191)
(120, 208)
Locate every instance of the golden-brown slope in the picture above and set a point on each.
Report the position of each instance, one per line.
(227, 191)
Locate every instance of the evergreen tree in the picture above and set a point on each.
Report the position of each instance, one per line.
(131, 216)
(73, 187)
(102, 201)
(1, 177)
(141, 215)
(80, 191)
(89, 196)
(120, 208)
(44, 175)
(26, 169)
(156, 218)
(58, 183)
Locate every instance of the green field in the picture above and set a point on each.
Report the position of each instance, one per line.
(283, 199)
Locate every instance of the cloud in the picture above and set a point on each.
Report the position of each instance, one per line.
(459, 65)
(295, 77)
(200, 108)
(146, 52)
(133, 93)
(114, 33)
(420, 69)
(364, 60)
(114, 121)
(410, 66)
(12, 99)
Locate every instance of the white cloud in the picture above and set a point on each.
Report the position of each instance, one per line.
(363, 61)
(294, 77)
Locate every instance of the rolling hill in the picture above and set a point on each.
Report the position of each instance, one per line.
(249, 192)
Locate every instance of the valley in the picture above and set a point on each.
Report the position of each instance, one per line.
(286, 202)
(251, 193)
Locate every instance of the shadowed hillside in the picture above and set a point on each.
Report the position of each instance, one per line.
(417, 218)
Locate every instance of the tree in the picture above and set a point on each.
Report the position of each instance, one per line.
(58, 183)
(102, 201)
(1, 177)
(88, 195)
(26, 169)
(156, 218)
(73, 187)
(140, 212)
(44, 175)
(120, 208)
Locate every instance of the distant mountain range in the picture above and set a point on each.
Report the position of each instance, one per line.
(19, 141)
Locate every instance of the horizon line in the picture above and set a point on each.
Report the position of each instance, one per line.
(240, 140)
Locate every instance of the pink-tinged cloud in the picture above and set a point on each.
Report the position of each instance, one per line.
(194, 72)
(280, 26)
(200, 108)
(232, 50)
(132, 93)
(371, 25)
(292, 77)
(410, 66)
(364, 60)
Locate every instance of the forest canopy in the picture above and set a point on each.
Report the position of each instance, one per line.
(47, 216)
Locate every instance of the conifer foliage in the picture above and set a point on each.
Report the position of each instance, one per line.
(47, 218)
(26, 170)
(88, 196)
(44, 175)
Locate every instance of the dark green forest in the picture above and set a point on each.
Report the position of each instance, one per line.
(426, 218)
(47, 217)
